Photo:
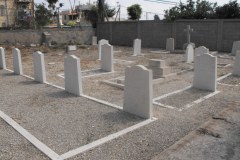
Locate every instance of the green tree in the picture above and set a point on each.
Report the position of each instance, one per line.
(42, 15)
(156, 17)
(52, 3)
(134, 12)
(204, 9)
(93, 14)
(228, 11)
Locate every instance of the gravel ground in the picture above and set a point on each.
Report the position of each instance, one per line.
(42, 109)
(183, 98)
(216, 139)
(60, 120)
(231, 80)
(14, 147)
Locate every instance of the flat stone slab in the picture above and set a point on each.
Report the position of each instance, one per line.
(60, 120)
(160, 51)
(179, 100)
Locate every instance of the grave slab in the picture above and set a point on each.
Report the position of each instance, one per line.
(17, 61)
(137, 45)
(39, 67)
(2, 58)
(205, 72)
(236, 67)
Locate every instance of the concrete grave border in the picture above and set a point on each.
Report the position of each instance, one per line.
(225, 84)
(187, 106)
(62, 74)
(54, 156)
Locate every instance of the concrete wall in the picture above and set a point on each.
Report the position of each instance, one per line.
(79, 36)
(214, 34)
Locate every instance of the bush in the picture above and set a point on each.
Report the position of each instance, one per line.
(72, 23)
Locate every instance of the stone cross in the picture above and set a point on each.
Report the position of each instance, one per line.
(188, 30)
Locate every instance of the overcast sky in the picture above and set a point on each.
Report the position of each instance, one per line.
(152, 7)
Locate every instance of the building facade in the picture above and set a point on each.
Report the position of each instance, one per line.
(14, 12)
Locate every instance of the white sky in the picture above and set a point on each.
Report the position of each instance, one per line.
(146, 6)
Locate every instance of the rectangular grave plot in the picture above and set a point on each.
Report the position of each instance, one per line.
(181, 99)
(231, 80)
(60, 120)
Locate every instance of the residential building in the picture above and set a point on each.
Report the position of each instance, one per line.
(12, 12)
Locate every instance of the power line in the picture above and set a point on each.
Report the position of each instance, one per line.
(163, 2)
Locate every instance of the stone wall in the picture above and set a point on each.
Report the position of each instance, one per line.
(214, 34)
(61, 36)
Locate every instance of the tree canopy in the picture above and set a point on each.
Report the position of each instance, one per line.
(203, 9)
(134, 12)
(94, 15)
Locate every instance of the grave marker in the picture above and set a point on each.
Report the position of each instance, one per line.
(94, 40)
(100, 43)
(236, 66)
(138, 92)
(201, 50)
(235, 47)
(188, 31)
(205, 72)
(2, 58)
(71, 48)
(170, 44)
(17, 61)
(107, 58)
(189, 54)
(137, 47)
(72, 72)
(39, 67)
(158, 68)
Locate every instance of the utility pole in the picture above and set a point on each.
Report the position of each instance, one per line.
(119, 12)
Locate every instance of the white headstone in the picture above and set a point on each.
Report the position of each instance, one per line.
(138, 91)
(72, 72)
(2, 58)
(94, 40)
(39, 67)
(201, 50)
(17, 61)
(189, 54)
(137, 47)
(100, 43)
(170, 44)
(236, 66)
(107, 58)
(205, 72)
(235, 47)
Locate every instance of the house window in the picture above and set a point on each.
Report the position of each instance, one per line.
(65, 17)
(2, 10)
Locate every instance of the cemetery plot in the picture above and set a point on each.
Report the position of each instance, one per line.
(90, 73)
(14, 146)
(230, 80)
(60, 120)
(184, 98)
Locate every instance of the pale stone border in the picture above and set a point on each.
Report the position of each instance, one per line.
(61, 75)
(187, 106)
(54, 156)
(105, 139)
(38, 144)
(224, 84)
